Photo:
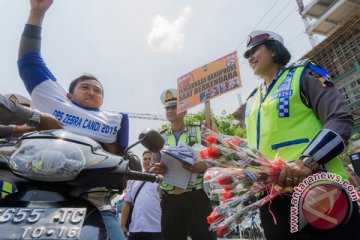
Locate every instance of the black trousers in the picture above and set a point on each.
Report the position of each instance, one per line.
(280, 206)
(186, 213)
(145, 236)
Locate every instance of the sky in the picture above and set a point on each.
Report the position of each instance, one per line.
(139, 48)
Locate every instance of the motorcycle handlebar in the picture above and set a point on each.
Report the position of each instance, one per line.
(148, 177)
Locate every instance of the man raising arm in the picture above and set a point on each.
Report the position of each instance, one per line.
(78, 110)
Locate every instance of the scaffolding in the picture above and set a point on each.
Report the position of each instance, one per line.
(326, 16)
(340, 55)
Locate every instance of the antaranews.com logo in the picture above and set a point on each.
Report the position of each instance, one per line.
(322, 200)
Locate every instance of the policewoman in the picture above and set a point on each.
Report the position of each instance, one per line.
(184, 211)
(297, 114)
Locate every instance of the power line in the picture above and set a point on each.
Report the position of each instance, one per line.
(278, 14)
(226, 100)
(262, 18)
(300, 51)
(284, 18)
(294, 40)
(243, 61)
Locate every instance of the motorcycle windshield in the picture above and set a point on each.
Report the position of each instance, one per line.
(52, 159)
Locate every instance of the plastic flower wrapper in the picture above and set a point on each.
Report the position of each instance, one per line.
(242, 174)
(229, 151)
(230, 213)
(181, 151)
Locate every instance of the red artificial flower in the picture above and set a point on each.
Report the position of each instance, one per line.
(211, 139)
(224, 180)
(222, 231)
(203, 153)
(227, 194)
(213, 152)
(207, 177)
(278, 163)
(237, 141)
(213, 217)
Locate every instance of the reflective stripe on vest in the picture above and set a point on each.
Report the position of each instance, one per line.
(190, 136)
(281, 125)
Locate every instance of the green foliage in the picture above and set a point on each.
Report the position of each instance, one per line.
(195, 118)
(355, 136)
(344, 156)
(164, 126)
(226, 123)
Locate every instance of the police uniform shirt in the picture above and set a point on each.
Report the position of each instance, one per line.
(12, 113)
(326, 102)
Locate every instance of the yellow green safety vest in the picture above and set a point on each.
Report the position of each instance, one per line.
(280, 124)
(5, 188)
(190, 136)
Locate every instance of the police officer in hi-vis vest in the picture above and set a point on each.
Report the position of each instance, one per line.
(297, 114)
(11, 133)
(183, 211)
(14, 110)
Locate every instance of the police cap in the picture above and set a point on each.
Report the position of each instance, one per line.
(168, 98)
(256, 38)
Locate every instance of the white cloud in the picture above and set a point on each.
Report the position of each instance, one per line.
(166, 36)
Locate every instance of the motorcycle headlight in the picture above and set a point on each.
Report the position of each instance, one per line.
(52, 159)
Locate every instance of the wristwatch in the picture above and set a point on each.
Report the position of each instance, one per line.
(34, 120)
(310, 162)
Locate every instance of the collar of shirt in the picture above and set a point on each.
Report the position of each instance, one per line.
(184, 129)
(264, 89)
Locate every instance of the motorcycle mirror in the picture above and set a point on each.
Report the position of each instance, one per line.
(152, 140)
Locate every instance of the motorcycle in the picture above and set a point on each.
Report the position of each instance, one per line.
(51, 171)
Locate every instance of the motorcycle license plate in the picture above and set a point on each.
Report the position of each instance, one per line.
(41, 223)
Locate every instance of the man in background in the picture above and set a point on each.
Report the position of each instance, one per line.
(143, 197)
(183, 210)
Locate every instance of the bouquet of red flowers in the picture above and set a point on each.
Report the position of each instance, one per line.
(242, 173)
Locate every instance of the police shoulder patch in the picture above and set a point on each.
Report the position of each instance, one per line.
(320, 74)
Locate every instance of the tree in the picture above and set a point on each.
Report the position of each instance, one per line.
(226, 123)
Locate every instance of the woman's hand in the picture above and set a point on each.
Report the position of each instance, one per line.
(293, 173)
